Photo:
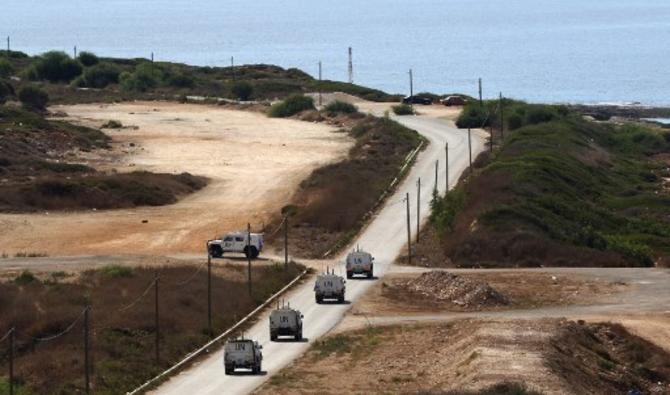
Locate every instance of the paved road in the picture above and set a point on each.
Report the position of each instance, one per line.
(384, 237)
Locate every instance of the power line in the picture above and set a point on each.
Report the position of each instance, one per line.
(63, 333)
(151, 284)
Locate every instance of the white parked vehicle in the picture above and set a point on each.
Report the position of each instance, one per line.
(237, 242)
(359, 262)
(329, 286)
(242, 354)
(285, 321)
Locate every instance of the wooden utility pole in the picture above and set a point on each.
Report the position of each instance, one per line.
(8, 51)
(87, 374)
(437, 166)
(481, 102)
(156, 320)
(11, 352)
(209, 293)
(320, 100)
(286, 242)
(502, 118)
(446, 160)
(232, 67)
(152, 64)
(75, 52)
(249, 256)
(418, 207)
(409, 233)
(470, 148)
(411, 84)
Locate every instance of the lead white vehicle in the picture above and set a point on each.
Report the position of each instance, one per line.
(359, 262)
(329, 286)
(242, 354)
(285, 321)
(237, 242)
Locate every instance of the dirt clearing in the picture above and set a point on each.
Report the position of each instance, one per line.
(552, 356)
(442, 291)
(255, 164)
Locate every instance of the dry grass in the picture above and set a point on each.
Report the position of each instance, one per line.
(122, 340)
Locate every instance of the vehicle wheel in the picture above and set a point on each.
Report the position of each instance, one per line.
(298, 336)
(319, 300)
(370, 274)
(273, 337)
(340, 299)
(350, 274)
(251, 252)
(216, 252)
(229, 370)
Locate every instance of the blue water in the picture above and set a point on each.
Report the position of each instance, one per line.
(583, 51)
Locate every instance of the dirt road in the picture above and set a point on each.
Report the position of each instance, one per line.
(384, 237)
(255, 164)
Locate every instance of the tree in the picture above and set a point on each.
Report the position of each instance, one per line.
(34, 98)
(6, 90)
(6, 68)
(88, 58)
(101, 75)
(242, 90)
(55, 66)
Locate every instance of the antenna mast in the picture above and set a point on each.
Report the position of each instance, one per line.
(351, 68)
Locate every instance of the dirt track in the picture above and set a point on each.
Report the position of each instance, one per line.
(225, 145)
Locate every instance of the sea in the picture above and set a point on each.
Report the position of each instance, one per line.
(557, 51)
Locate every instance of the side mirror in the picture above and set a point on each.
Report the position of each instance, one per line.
(302, 316)
(260, 347)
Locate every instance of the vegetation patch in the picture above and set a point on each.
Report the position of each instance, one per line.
(122, 318)
(292, 105)
(560, 191)
(402, 109)
(342, 107)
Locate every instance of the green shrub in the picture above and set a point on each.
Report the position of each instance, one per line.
(144, 77)
(26, 277)
(342, 107)
(473, 116)
(242, 90)
(291, 106)
(101, 75)
(6, 69)
(55, 66)
(6, 91)
(88, 59)
(515, 121)
(636, 252)
(540, 114)
(444, 209)
(117, 271)
(112, 124)
(34, 98)
(180, 80)
(402, 109)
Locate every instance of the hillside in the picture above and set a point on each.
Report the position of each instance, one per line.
(559, 191)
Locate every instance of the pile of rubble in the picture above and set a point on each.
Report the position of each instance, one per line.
(443, 286)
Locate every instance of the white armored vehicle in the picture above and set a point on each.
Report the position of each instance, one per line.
(285, 321)
(359, 262)
(329, 286)
(237, 242)
(242, 354)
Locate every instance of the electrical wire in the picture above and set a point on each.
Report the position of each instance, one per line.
(9, 332)
(191, 277)
(62, 333)
(131, 305)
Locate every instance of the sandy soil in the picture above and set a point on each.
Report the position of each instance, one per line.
(255, 164)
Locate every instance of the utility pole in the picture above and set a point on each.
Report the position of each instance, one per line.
(75, 52)
(249, 256)
(232, 67)
(409, 233)
(152, 64)
(411, 83)
(351, 67)
(437, 166)
(502, 118)
(11, 359)
(8, 51)
(156, 320)
(418, 207)
(209, 293)
(446, 160)
(320, 101)
(286, 242)
(87, 375)
(481, 102)
(470, 149)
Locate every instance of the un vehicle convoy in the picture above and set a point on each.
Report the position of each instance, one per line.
(242, 354)
(285, 321)
(237, 242)
(329, 286)
(359, 262)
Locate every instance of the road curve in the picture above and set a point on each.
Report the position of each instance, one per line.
(384, 237)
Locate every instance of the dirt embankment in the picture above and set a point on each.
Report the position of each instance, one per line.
(548, 356)
(254, 165)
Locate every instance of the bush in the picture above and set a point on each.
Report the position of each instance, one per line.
(6, 90)
(341, 106)
(117, 271)
(402, 109)
(6, 69)
(473, 116)
(26, 277)
(88, 58)
(144, 77)
(55, 66)
(539, 114)
(242, 90)
(101, 75)
(33, 97)
(180, 80)
(291, 106)
(112, 124)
